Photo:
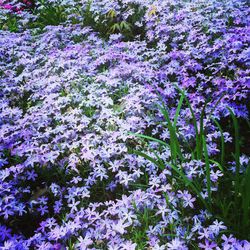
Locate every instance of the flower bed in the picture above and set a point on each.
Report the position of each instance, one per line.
(123, 125)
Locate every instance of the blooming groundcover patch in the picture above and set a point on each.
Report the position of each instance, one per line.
(124, 125)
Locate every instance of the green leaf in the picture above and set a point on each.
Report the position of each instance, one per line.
(151, 159)
(222, 142)
(245, 191)
(208, 177)
(237, 150)
(125, 26)
(149, 138)
(178, 110)
(174, 143)
(193, 117)
(115, 27)
(200, 137)
(218, 165)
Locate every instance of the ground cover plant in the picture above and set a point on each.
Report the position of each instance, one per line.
(124, 124)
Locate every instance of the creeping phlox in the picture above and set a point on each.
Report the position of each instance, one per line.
(70, 95)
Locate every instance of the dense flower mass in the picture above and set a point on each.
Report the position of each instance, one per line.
(80, 82)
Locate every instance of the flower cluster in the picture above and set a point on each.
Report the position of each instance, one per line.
(68, 100)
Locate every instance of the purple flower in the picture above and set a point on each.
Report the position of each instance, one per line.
(120, 226)
(176, 244)
(31, 175)
(217, 226)
(73, 205)
(43, 209)
(57, 207)
(208, 245)
(83, 243)
(128, 245)
(3, 162)
(5, 233)
(21, 209)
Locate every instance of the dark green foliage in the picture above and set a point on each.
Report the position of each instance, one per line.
(231, 203)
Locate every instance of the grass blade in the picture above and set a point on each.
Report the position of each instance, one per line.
(192, 114)
(246, 198)
(218, 165)
(222, 143)
(216, 104)
(151, 159)
(177, 113)
(200, 137)
(208, 177)
(183, 178)
(174, 143)
(149, 138)
(237, 150)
